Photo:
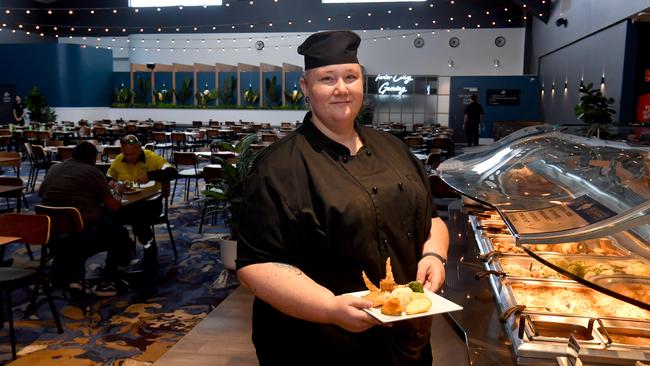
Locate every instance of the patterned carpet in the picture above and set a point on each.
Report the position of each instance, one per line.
(137, 326)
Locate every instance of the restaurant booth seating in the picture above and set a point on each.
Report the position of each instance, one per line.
(34, 230)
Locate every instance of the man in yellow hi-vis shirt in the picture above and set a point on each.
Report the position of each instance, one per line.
(138, 165)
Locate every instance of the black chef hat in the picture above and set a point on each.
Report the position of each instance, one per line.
(330, 48)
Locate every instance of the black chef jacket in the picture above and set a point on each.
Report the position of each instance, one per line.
(309, 203)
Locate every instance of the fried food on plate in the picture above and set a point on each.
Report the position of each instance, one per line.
(394, 299)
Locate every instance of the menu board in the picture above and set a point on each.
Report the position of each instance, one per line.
(503, 97)
(579, 212)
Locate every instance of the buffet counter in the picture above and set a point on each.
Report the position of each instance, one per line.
(562, 228)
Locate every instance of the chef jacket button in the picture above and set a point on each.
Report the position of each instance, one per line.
(345, 159)
(400, 185)
(368, 153)
(375, 190)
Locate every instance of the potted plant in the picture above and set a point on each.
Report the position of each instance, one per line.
(595, 110)
(230, 190)
(185, 92)
(39, 111)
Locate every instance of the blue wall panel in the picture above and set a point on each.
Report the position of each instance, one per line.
(68, 75)
(204, 78)
(527, 110)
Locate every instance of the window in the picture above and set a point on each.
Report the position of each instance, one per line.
(403, 98)
(163, 3)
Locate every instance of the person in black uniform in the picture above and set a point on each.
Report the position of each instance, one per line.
(472, 121)
(330, 200)
(18, 110)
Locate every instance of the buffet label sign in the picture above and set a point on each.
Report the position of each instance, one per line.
(577, 213)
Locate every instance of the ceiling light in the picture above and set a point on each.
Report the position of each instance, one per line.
(49, 12)
(70, 12)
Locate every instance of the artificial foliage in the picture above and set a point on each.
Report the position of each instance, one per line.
(39, 111)
(595, 110)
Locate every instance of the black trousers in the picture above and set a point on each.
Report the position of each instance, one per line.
(71, 251)
(141, 215)
(472, 133)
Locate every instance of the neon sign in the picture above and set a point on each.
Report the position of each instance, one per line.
(393, 84)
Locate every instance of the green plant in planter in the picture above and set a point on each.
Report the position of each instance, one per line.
(227, 93)
(250, 96)
(207, 96)
(595, 110)
(294, 97)
(122, 95)
(162, 96)
(271, 92)
(144, 85)
(185, 91)
(230, 188)
(39, 111)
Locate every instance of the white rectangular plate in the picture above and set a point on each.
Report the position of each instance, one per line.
(439, 305)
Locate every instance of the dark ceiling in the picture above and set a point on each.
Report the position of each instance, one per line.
(114, 17)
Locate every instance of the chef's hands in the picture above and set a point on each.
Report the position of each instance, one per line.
(431, 273)
(346, 312)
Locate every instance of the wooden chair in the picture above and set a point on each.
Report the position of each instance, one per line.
(191, 171)
(112, 151)
(211, 206)
(164, 217)
(15, 164)
(65, 152)
(65, 224)
(14, 182)
(160, 143)
(179, 142)
(34, 230)
(415, 143)
(40, 162)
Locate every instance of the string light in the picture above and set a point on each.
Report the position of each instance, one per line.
(397, 9)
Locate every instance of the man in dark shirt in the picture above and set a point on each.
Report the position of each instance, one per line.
(472, 121)
(78, 183)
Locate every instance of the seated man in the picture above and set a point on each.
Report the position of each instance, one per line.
(138, 165)
(78, 183)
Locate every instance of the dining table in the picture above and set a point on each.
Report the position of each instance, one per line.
(9, 160)
(4, 240)
(138, 194)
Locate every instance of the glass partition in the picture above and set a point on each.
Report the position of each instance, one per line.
(578, 205)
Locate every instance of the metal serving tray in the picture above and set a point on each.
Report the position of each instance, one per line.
(568, 299)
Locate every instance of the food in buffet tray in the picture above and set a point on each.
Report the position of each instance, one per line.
(638, 291)
(522, 181)
(588, 268)
(395, 299)
(574, 300)
(635, 337)
(600, 246)
(530, 268)
(562, 330)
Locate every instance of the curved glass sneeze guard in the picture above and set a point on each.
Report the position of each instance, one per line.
(564, 196)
